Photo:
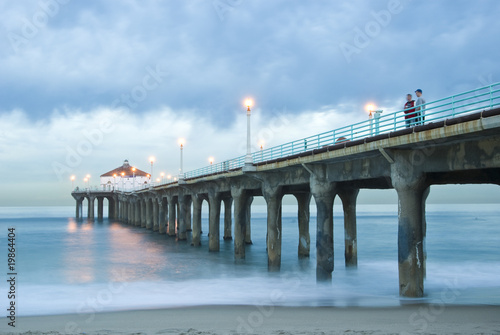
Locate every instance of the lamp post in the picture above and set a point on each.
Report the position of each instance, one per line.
(85, 180)
(72, 182)
(88, 180)
(374, 115)
(168, 178)
(151, 160)
(114, 181)
(181, 173)
(211, 161)
(123, 177)
(370, 109)
(162, 175)
(248, 158)
(133, 177)
(261, 150)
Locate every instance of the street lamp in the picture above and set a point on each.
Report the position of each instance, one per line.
(211, 161)
(72, 182)
(85, 180)
(123, 177)
(168, 178)
(88, 180)
(114, 181)
(262, 150)
(374, 114)
(181, 173)
(151, 160)
(248, 158)
(133, 176)
(162, 175)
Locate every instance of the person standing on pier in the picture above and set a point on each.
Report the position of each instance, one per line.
(409, 113)
(420, 107)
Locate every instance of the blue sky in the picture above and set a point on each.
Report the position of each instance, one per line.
(130, 77)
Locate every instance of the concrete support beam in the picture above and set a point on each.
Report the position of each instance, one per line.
(228, 202)
(412, 189)
(214, 204)
(248, 217)
(240, 200)
(324, 193)
(197, 202)
(100, 208)
(273, 195)
(171, 216)
(349, 197)
(303, 201)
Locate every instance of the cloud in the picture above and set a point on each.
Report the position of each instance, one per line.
(90, 60)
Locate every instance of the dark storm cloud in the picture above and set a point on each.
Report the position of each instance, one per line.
(284, 53)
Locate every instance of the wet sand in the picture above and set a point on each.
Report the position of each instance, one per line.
(412, 319)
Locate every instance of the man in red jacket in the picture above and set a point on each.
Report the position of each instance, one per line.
(410, 115)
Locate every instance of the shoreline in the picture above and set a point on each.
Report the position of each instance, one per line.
(249, 319)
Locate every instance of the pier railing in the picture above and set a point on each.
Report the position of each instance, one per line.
(482, 98)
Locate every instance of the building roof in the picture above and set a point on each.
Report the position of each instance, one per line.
(127, 169)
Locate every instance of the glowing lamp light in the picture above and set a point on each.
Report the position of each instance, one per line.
(370, 107)
(72, 177)
(211, 160)
(181, 142)
(248, 103)
(152, 159)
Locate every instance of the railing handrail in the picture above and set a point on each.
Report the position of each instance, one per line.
(363, 129)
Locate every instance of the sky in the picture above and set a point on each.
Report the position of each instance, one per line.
(85, 85)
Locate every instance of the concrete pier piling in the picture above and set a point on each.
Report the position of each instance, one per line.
(323, 192)
(228, 202)
(248, 220)
(149, 214)
(303, 201)
(100, 208)
(273, 196)
(349, 197)
(156, 224)
(240, 207)
(197, 202)
(214, 204)
(184, 215)
(90, 214)
(162, 215)
(171, 216)
(412, 189)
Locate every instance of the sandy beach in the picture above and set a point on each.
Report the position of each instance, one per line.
(413, 319)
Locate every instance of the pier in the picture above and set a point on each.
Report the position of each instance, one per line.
(459, 143)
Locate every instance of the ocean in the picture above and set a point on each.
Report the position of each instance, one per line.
(69, 266)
